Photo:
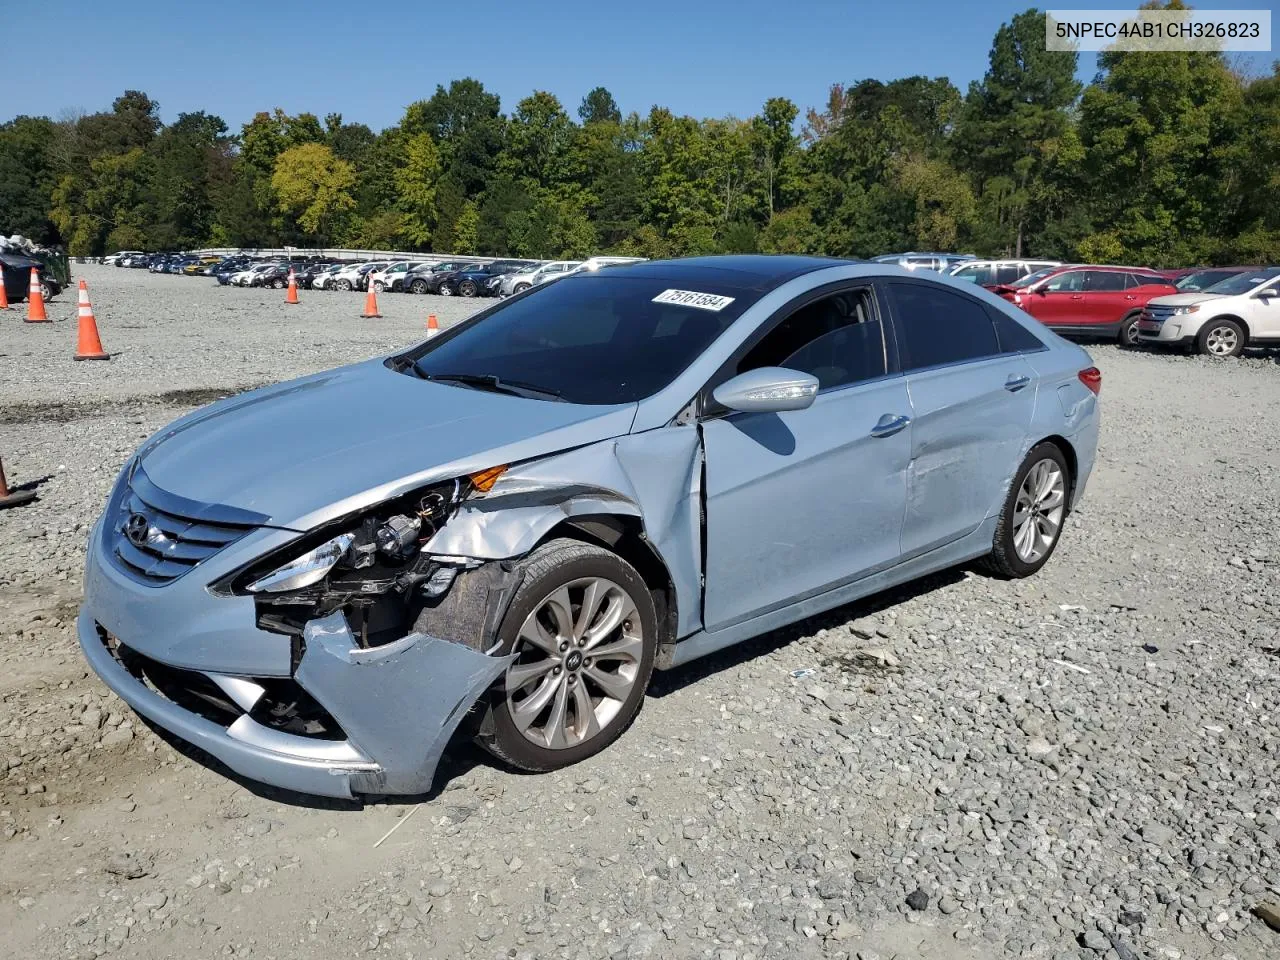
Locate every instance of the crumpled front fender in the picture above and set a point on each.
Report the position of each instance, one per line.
(399, 703)
(655, 476)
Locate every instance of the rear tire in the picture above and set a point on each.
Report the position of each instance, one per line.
(445, 290)
(1033, 514)
(344, 285)
(520, 288)
(467, 289)
(1221, 338)
(575, 703)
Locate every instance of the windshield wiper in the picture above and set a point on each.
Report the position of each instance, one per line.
(490, 381)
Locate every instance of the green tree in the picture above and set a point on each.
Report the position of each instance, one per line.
(466, 229)
(416, 186)
(598, 106)
(538, 138)
(1011, 128)
(314, 185)
(28, 175)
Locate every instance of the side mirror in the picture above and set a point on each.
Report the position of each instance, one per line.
(767, 390)
(1268, 293)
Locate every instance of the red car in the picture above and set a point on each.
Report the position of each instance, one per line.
(1088, 300)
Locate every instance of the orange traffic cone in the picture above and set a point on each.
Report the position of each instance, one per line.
(13, 498)
(4, 294)
(35, 300)
(89, 346)
(292, 296)
(433, 326)
(371, 304)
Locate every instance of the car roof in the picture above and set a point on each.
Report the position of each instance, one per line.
(747, 271)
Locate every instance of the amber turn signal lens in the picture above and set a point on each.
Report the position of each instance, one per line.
(485, 479)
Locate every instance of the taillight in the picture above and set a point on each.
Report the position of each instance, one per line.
(1091, 377)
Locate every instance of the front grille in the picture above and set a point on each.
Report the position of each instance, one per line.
(157, 537)
(1157, 314)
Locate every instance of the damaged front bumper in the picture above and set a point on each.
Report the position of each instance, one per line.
(388, 712)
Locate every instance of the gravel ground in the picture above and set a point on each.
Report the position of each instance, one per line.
(1083, 764)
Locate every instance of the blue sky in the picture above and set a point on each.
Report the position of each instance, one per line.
(707, 58)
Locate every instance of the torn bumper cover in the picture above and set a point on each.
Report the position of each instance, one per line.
(397, 706)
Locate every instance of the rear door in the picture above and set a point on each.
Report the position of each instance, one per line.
(1106, 301)
(972, 403)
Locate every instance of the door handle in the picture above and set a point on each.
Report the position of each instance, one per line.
(1016, 383)
(889, 424)
(1130, 296)
(1077, 296)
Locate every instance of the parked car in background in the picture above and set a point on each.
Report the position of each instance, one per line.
(199, 265)
(276, 276)
(247, 278)
(115, 258)
(1092, 301)
(916, 260)
(521, 280)
(1202, 278)
(990, 273)
(366, 270)
(384, 278)
(17, 277)
(425, 279)
(481, 281)
(520, 519)
(323, 279)
(306, 273)
(1221, 321)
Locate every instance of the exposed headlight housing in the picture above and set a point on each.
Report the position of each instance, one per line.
(1193, 308)
(305, 570)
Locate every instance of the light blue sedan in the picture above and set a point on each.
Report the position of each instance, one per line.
(512, 524)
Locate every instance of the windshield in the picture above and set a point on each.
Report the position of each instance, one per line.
(1203, 279)
(1244, 282)
(596, 339)
(1031, 278)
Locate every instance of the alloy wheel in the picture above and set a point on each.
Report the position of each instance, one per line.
(1222, 341)
(1038, 510)
(578, 659)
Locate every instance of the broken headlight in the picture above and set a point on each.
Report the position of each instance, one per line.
(305, 570)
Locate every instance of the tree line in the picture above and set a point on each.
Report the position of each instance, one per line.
(1164, 159)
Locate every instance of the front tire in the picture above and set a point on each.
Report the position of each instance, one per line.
(445, 290)
(1031, 520)
(1221, 338)
(1128, 335)
(584, 629)
(468, 289)
(520, 288)
(344, 285)
(47, 291)
(418, 286)
(379, 287)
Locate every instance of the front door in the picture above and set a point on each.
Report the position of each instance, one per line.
(800, 502)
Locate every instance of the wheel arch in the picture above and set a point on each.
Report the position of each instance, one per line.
(1069, 454)
(1244, 325)
(625, 535)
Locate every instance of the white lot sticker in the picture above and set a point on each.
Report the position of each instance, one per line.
(691, 298)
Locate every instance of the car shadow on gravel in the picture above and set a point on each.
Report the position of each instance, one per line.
(667, 682)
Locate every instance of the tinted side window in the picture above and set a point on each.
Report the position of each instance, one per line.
(1008, 272)
(838, 339)
(1146, 278)
(1013, 336)
(1103, 281)
(936, 326)
(1071, 281)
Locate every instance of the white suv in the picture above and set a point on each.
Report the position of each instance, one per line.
(1221, 320)
(519, 282)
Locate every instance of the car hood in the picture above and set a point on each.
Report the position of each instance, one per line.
(1184, 299)
(308, 450)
